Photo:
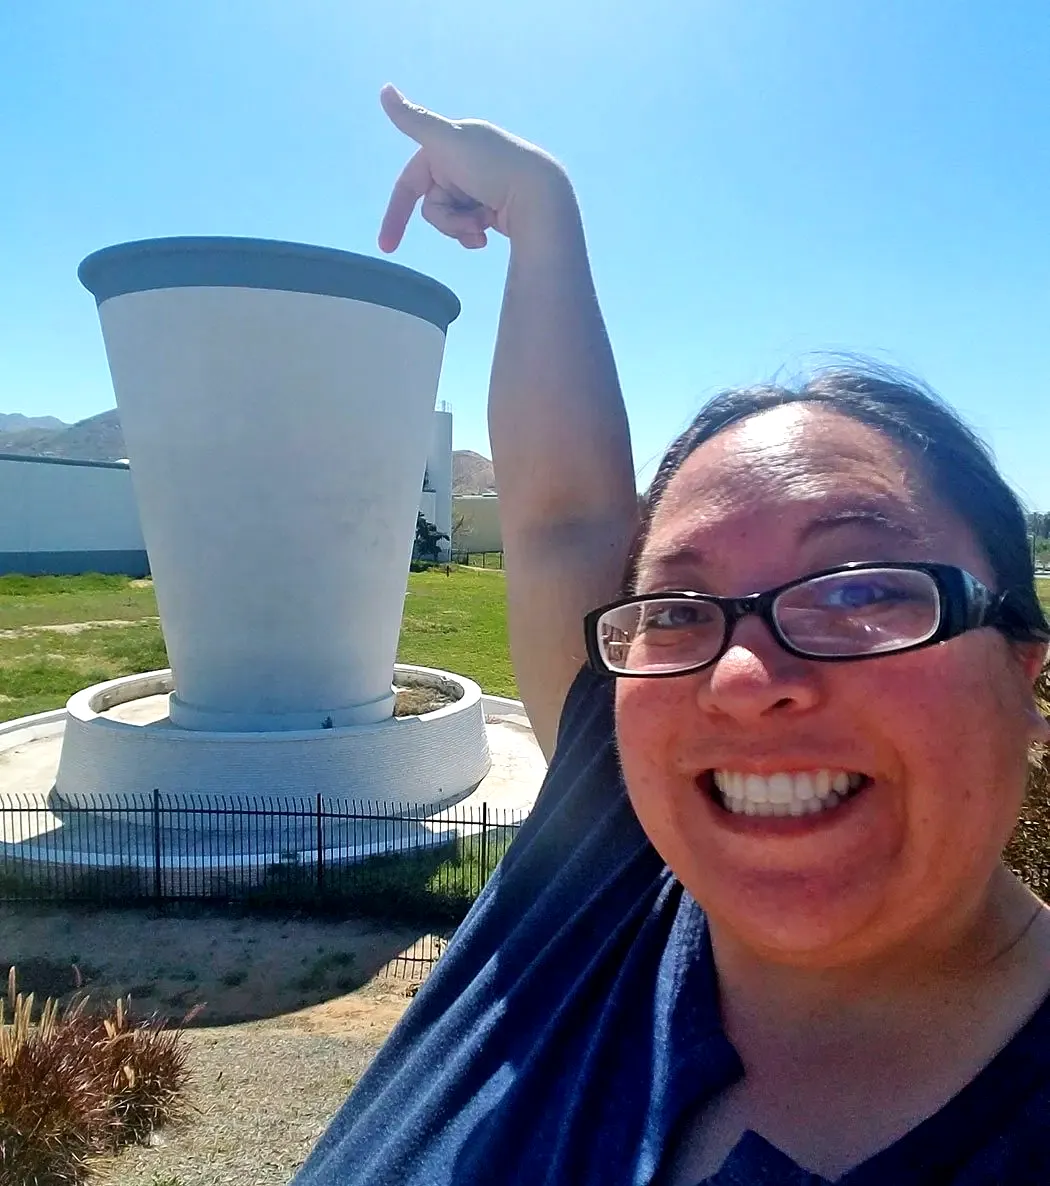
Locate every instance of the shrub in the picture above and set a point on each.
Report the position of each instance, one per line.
(144, 1066)
(1028, 852)
(74, 1084)
(53, 1110)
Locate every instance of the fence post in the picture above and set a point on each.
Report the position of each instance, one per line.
(157, 887)
(484, 845)
(320, 847)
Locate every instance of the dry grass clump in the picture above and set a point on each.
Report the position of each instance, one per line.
(74, 1085)
(1028, 852)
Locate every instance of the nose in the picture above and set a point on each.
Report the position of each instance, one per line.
(756, 677)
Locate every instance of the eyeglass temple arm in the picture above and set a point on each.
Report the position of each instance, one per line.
(1004, 612)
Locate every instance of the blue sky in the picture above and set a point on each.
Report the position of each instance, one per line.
(762, 181)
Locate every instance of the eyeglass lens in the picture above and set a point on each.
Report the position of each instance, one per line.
(842, 615)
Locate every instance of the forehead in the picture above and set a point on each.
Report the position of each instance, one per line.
(790, 464)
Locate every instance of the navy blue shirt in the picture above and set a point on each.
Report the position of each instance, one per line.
(573, 1022)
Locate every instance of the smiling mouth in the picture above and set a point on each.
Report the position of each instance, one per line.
(794, 793)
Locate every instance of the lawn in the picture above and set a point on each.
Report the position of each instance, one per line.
(457, 622)
(47, 601)
(1042, 588)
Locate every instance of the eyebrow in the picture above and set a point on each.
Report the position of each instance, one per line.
(878, 518)
(900, 524)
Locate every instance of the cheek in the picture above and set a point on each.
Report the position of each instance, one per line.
(649, 716)
(951, 705)
(953, 720)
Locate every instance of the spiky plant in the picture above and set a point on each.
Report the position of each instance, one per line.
(145, 1066)
(74, 1084)
(54, 1111)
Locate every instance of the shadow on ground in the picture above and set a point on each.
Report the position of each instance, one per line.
(232, 966)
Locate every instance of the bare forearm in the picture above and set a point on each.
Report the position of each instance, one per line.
(557, 422)
(559, 435)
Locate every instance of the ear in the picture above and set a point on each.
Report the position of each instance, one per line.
(1033, 658)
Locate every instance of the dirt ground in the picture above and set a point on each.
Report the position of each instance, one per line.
(292, 1012)
(314, 975)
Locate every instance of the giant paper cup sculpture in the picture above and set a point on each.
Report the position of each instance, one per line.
(277, 404)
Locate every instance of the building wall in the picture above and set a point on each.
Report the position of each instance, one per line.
(477, 520)
(436, 504)
(67, 517)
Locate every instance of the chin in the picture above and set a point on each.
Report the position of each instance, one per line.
(799, 891)
(792, 918)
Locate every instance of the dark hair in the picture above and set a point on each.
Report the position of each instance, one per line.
(956, 463)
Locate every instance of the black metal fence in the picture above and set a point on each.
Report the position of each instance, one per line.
(376, 858)
(478, 559)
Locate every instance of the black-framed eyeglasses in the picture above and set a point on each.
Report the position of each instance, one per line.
(850, 612)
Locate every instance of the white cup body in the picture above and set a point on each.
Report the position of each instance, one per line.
(277, 441)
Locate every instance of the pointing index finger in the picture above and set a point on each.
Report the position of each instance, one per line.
(412, 185)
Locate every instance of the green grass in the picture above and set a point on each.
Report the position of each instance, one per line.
(1042, 588)
(49, 601)
(41, 670)
(457, 622)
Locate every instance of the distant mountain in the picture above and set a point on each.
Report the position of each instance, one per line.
(471, 473)
(16, 422)
(99, 438)
(96, 439)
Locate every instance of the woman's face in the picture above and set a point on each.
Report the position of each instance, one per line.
(940, 734)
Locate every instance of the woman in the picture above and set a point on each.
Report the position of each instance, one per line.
(757, 928)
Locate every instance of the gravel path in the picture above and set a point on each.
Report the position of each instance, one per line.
(261, 1096)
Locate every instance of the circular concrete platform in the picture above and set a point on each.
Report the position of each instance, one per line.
(116, 744)
(38, 829)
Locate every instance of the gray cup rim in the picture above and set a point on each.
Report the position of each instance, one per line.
(227, 262)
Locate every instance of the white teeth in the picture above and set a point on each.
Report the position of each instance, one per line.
(781, 788)
(785, 794)
(804, 788)
(756, 789)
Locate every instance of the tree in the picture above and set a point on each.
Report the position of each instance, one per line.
(1039, 524)
(428, 539)
(460, 532)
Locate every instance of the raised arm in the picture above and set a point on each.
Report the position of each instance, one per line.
(560, 443)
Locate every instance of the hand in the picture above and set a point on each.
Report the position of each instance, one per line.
(473, 177)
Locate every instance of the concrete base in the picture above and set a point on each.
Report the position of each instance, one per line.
(120, 742)
(203, 850)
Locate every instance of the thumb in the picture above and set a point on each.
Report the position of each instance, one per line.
(416, 122)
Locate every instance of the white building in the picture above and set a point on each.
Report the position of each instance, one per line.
(63, 517)
(476, 517)
(436, 499)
